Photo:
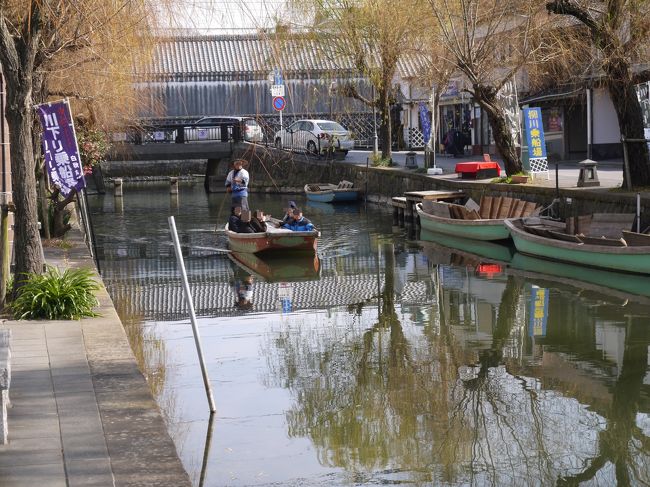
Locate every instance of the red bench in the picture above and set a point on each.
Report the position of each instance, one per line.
(478, 170)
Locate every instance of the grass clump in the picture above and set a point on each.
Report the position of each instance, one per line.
(57, 296)
(508, 179)
(377, 161)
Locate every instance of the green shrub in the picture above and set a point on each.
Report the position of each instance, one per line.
(377, 161)
(57, 296)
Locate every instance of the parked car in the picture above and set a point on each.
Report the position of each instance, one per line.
(314, 135)
(211, 129)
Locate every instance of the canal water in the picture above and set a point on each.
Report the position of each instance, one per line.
(383, 361)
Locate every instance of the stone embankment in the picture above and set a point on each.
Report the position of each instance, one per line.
(276, 171)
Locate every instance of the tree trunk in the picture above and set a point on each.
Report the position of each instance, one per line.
(28, 254)
(384, 128)
(630, 120)
(486, 97)
(45, 213)
(59, 226)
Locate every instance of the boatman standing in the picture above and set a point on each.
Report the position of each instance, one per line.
(237, 185)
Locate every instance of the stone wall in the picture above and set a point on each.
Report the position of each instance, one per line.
(276, 171)
(153, 169)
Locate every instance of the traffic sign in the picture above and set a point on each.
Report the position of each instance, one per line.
(279, 103)
(277, 90)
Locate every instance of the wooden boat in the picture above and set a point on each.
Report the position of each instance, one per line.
(279, 268)
(274, 239)
(475, 222)
(331, 193)
(540, 238)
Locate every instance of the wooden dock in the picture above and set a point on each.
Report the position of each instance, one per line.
(404, 206)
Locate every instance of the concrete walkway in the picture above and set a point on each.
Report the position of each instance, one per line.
(610, 172)
(82, 413)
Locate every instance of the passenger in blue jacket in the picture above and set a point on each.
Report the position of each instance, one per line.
(299, 223)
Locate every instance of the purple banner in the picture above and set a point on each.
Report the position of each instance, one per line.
(60, 147)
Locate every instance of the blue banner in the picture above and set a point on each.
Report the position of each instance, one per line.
(425, 121)
(534, 133)
(277, 77)
(538, 311)
(60, 147)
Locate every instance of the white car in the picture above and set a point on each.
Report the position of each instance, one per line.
(314, 136)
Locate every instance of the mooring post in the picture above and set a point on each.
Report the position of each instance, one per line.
(118, 187)
(173, 185)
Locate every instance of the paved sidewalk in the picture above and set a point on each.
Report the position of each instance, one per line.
(82, 413)
(610, 172)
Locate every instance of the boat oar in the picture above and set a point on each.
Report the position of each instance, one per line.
(196, 247)
(216, 227)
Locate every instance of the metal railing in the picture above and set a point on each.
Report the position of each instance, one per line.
(180, 133)
(169, 130)
(300, 141)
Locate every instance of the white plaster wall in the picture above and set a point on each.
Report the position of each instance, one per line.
(605, 122)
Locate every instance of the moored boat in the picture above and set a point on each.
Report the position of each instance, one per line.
(274, 239)
(475, 222)
(331, 193)
(552, 243)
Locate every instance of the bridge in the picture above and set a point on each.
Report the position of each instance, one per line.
(218, 144)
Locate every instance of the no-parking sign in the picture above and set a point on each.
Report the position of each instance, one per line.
(279, 103)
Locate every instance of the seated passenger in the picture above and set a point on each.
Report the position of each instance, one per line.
(299, 223)
(288, 217)
(235, 219)
(245, 223)
(258, 222)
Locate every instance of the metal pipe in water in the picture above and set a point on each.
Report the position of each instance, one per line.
(190, 305)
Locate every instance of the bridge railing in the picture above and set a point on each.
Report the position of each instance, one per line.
(180, 133)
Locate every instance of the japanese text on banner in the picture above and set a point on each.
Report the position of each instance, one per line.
(60, 147)
(535, 133)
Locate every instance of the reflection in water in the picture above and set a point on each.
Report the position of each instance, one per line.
(206, 449)
(391, 365)
(243, 287)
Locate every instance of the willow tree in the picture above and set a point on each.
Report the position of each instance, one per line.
(83, 49)
(618, 33)
(370, 35)
(489, 42)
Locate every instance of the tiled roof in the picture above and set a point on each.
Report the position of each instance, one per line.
(251, 56)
